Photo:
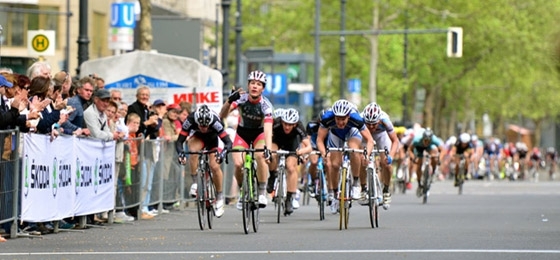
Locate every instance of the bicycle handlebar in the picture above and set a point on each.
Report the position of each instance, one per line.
(203, 152)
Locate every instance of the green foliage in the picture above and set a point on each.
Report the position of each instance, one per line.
(507, 69)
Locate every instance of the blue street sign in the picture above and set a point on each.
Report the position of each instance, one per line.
(277, 84)
(354, 86)
(308, 98)
(122, 15)
(142, 80)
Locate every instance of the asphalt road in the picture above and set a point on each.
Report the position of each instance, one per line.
(491, 220)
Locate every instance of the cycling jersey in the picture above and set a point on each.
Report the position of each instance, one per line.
(290, 141)
(492, 148)
(381, 132)
(355, 121)
(460, 149)
(419, 146)
(210, 138)
(311, 129)
(252, 116)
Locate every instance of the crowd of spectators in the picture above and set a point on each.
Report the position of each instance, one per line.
(56, 104)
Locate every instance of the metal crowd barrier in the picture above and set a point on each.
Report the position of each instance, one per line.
(9, 180)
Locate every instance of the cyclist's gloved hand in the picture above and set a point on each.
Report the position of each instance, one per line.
(267, 155)
(182, 158)
(234, 96)
(221, 156)
(389, 159)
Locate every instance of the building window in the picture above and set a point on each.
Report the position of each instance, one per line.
(16, 24)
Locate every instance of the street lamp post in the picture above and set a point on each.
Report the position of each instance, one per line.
(342, 48)
(238, 42)
(83, 40)
(225, 44)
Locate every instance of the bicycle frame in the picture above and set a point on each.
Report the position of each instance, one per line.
(206, 191)
(280, 182)
(344, 184)
(375, 190)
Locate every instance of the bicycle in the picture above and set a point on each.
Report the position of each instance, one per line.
(344, 184)
(462, 173)
(426, 177)
(375, 190)
(320, 186)
(280, 188)
(401, 176)
(206, 190)
(249, 191)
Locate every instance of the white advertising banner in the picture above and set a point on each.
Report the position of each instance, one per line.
(95, 162)
(50, 188)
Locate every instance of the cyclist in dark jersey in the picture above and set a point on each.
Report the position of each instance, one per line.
(255, 126)
(205, 127)
(288, 134)
(312, 128)
(464, 147)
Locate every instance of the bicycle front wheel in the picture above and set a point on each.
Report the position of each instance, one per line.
(279, 201)
(211, 201)
(426, 181)
(245, 196)
(319, 193)
(342, 198)
(255, 208)
(372, 197)
(201, 200)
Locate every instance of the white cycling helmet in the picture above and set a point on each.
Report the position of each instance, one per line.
(258, 76)
(465, 138)
(372, 113)
(342, 107)
(279, 112)
(452, 140)
(474, 138)
(290, 116)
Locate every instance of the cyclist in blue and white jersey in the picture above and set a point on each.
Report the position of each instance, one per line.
(312, 129)
(478, 152)
(255, 126)
(343, 123)
(381, 128)
(427, 141)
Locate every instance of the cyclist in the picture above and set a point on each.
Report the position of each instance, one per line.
(205, 127)
(255, 126)
(312, 129)
(381, 128)
(551, 157)
(463, 147)
(478, 152)
(522, 151)
(288, 134)
(429, 142)
(492, 148)
(343, 123)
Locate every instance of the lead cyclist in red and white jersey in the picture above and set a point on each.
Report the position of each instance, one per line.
(255, 126)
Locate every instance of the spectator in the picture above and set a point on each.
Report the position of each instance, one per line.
(185, 111)
(152, 159)
(123, 110)
(116, 95)
(171, 168)
(100, 82)
(148, 124)
(42, 89)
(79, 103)
(64, 79)
(96, 119)
(39, 68)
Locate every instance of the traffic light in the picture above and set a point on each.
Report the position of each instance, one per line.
(455, 42)
(317, 106)
(225, 80)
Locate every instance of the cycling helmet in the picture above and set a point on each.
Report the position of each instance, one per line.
(474, 138)
(258, 76)
(203, 116)
(452, 140)
(372, 113)
(342, 107)
(427, 135)
(465, 138)
(279, 112)
(290, 116)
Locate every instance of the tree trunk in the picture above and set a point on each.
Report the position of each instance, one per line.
(145, 25)
(429, 107)
(537, 134)
(374, 57)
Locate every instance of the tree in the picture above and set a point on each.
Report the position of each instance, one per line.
(145, 25)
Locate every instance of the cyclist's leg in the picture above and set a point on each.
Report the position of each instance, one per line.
(272, 166)
(354, 139)
(334, 162)
(434, 158)
(262, 169)
(238, 143)
(194, 144)
(292, 183)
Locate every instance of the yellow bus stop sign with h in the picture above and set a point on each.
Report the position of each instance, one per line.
(41, 43)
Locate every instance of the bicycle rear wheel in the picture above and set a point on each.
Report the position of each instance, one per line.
(372, 197)
(245, 196)
(211, 201)
(319, 193)
(201, 200)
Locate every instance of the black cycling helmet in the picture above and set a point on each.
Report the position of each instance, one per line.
(203, 116)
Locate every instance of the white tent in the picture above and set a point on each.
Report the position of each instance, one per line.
(171, 78)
